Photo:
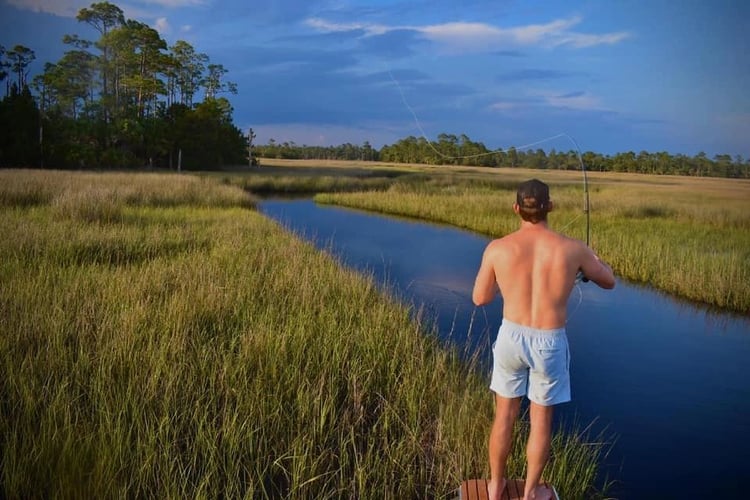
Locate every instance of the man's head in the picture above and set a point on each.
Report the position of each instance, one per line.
(532, 201)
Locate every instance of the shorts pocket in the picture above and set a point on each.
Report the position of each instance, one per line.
(549, 357)
(549, 352)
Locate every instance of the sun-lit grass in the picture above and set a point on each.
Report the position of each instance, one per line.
(690, 238)
(84, 191)
(175, 344)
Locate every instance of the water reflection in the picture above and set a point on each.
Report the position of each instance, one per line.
(666, 376)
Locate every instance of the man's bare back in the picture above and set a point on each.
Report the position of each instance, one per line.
(535, 270)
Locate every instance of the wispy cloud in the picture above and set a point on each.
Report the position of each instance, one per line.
(534, 34)
(474, 36)
(583, 40)
(329, 26)
(579, 100)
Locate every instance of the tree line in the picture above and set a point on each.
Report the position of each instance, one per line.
(450, 149)
(125, 99)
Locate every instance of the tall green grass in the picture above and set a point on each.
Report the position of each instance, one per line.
(691, 240)
(192, 348)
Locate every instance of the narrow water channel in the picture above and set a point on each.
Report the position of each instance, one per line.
(667, 379)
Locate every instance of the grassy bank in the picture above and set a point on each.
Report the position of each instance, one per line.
(160, 339)
(292, 180)
(687, 237)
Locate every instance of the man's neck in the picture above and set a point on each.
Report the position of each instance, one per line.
(541, 225)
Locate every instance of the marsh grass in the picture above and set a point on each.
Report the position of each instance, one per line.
(306, 185)
(188, 347)
(691, 239)
(287, 181)
(81, 193)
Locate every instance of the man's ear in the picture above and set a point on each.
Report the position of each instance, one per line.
(516, 208)
(550, 205)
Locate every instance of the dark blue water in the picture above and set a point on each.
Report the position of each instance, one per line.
(668, 379)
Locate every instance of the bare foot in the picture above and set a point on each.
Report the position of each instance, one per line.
(495, 489)
(539, 493)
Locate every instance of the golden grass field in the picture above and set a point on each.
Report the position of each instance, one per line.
(160, 338)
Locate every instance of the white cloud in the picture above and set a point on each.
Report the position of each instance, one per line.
(577, 100)
(162, 25)
(459, 31)
(463, 36)
(327, 26)
(581, 40)
(582, 101)
(540, 33)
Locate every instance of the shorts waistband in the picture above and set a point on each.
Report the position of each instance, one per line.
(531, 331)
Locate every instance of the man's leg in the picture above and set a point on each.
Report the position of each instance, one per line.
(537, 449)
(506, 412)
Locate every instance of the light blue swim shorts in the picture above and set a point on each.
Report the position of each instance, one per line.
(531, 362)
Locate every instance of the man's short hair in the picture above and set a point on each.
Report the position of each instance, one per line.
(533, 200)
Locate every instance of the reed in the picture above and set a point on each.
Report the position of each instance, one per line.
(184, 346)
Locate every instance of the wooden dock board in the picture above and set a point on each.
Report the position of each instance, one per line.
(476, 489)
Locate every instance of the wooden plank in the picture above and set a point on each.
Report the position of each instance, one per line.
(482, 493)
(514, 489)
(476, 489)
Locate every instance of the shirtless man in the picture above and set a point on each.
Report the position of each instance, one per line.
(534, 269)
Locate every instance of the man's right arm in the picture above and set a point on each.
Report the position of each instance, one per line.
(485, 284)
(596, 270)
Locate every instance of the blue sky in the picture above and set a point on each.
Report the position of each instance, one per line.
(654, 75)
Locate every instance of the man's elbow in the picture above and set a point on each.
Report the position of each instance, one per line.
(608, 283)
(606, 278)
(481, 299)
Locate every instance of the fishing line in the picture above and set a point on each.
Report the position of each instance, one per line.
(579, 156)
(580, 300)
(478, 155)
(586, 202)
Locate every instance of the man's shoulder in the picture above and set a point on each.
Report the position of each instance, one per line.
(569, 240)
(501, 242)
